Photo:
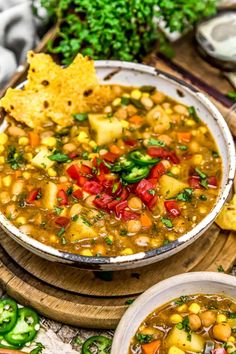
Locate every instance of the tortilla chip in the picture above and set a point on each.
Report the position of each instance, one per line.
(55, 93)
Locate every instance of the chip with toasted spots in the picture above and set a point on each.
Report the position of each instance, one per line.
(53, 93)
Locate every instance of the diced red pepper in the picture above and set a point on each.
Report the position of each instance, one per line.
(172, 207)
(152, 202)
(131, 142)
(110, 157)
(219, 351)
(144, 189)
(73, 155)
(62, 221)
(111, 205)
(102, 201)
(120, 206)
(163, 153)
(62, 197)
(85, 170)
(124, 194)
(73, 171)
(128, 215)
(81, 181)
(194, 182)
(78, 194)
(32, 196)
(157, 171)
(212, 182)
(92, 187)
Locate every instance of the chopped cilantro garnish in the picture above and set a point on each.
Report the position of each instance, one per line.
(200, 173)
(75, 217)
(81, 117)
(84, 155)
(129, 301)
(108, 241)
(85, 221)
(69, 190)
(115, 187)
(57, 210)
(144, 338)
(59, 157)
(220, 269)
(186, 195)
(193, 113)
(61, 231)
(183, 147)
(182, 300)
(203, 197)
(156, 142)
(14, 158)
(167, 222)
(152, 191)
(215, 154)
(204, 183)
(123, 232)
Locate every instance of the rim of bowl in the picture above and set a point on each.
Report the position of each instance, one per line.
(97, 262)
(169, 283)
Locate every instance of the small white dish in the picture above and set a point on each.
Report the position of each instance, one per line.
(163, 292)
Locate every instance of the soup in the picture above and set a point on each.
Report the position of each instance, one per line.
(131, 177)
(189, 324)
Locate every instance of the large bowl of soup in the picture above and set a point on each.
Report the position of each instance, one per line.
(187, 313)
(124, 187)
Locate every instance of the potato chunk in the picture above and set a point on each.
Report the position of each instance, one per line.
(80, 230)
(50, 195)
(170, 186)
(179, 338)
(41, 160)
(106, 129)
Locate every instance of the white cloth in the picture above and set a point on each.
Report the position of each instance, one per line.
(17, 35)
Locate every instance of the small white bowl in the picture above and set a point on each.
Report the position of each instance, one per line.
(163, 292)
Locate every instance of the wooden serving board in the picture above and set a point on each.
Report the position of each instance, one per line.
(82, 298)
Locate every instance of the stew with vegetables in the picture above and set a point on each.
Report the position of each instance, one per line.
(190, 324)
(135, 175)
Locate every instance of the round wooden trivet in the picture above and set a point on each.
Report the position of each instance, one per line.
(81, 298)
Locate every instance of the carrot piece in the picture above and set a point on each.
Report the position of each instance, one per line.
(115, 149)
(151, 348)
(63, 186)
(34, 139)
(18, 174)
(145, 220)
(184, 137)
(137, 120)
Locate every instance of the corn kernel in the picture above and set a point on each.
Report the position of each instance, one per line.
(136, 94)
(202, 209)
(2, 159)
(176, 318)
(175, 170)
(92, 144)
(7, 181)
(203, 130)
(194, 308)
(49, 141)
(231, 339)
(182, 308)
(26, 175)
(29, 156)
(126, 252)
(21, 220)
(190, 123)
(124, 123)
(53, 238)
(194, 132)
(197, 159)
(220, 318)
(23, 140)
(2, 148)
(116, 102)
(175, 350)
(93, 155)
(146, 94)
(169, 111)
(52, 172)
(86, 253)
(127, 95)
(171, 237)
(3, 138)
(82, 137)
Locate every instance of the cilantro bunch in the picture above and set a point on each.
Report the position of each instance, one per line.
(119, 29)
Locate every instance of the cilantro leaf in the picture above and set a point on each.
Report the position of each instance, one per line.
(81, 117)
(167, 222)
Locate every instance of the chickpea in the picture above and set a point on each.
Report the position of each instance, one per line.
(158, 97)
(121, 113)
(4, 197)
(208, 318)
(26, 229)
(142, 241)
(16, 131)
(222, 332)
(17, 187)
(194, 146)
(194, 322)
(178, 108)
(46, 134)
(89, 201)
(69, 147)
(165, 138)
(131, 110)
(135, 203)
(134, 226)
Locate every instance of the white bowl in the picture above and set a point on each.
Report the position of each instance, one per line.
(163, 292)
(130, 74)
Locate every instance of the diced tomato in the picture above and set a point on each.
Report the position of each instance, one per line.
(157, 171)
(62, 197)
(219, 351)
(184, 137)
(120, 206)
(144, 189)
(32, 196)
(212, 182)
(128, 215)
(163, 153)
(85, 170)
(73, 171)
(73, 155)
(194, 182)
(124, 194)
(111, 205)
(110, 157)
(172, 207)
(92, 187)
(102, 201)
(62, 221)
(78, 194)
(131, 142)
(152, 202)
(81, 181)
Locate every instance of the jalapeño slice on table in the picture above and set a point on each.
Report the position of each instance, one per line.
(8, 315)
(101, 343)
